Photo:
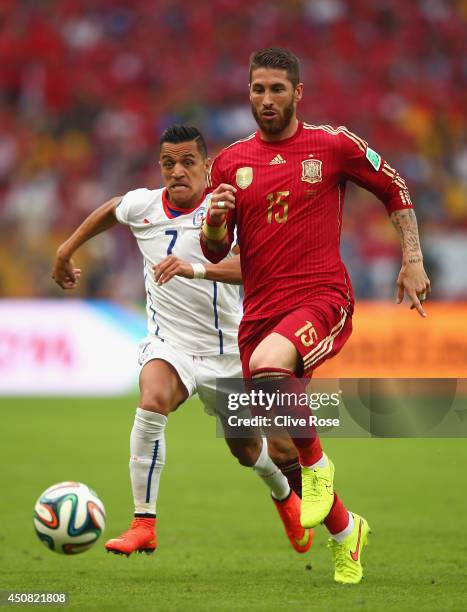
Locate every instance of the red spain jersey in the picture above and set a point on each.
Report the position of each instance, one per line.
(288, 213)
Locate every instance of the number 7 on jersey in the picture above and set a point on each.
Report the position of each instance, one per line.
(173, 240)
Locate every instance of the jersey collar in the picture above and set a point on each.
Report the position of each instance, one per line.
(172, 211)
(279, 143)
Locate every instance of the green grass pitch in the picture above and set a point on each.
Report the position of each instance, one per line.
(221, 546)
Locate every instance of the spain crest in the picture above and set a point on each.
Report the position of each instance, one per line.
(244, 177)
(311, 170)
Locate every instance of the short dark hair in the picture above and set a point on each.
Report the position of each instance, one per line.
(276, 57)
(184, 133)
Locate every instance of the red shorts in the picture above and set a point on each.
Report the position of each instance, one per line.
(318, 332)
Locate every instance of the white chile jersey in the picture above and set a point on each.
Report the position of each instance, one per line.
(199, 317)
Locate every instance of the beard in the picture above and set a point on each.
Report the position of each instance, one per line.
(277, 125)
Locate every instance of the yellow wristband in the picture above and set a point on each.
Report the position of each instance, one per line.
(214, 233)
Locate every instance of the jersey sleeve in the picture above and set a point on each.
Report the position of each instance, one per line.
(131, 205)
(367, 168)
(218, 176)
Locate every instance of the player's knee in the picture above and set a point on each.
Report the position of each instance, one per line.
(247, 452)
(281, 450)
(269, 361)
(155, 401)
(260, 359)
(274, 352)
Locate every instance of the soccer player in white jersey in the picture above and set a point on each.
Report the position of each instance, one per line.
(192, 332)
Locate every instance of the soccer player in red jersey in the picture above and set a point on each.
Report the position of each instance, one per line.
(284, 190)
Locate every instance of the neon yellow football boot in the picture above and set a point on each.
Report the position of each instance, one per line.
(317, 494)
(347, 555)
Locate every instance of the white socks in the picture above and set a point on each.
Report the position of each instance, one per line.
(321, 463)
(340, 537)
(147, 458)
(271, 474)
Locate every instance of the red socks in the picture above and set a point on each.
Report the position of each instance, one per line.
(338, 517)
(304, 437)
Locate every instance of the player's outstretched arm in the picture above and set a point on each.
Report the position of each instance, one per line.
(412, 278)
(227, 271)
(103, 218)
(217, 230)
(369, 170)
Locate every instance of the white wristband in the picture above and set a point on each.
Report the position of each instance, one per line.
(199, 271)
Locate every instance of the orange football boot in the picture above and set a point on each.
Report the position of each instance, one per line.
(140, 538)
(289, 511)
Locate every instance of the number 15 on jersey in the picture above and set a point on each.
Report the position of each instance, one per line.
(278, 208)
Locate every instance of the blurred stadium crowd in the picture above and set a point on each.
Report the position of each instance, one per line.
(86, 87)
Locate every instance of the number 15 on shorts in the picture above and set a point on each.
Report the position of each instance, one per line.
(307, 334)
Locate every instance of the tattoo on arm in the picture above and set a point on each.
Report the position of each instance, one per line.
(405, 223)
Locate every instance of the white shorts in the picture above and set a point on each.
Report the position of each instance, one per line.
(197, 373)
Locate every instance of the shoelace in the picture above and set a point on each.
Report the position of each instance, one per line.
(341, 557)
(340, 554)
(313, 487)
